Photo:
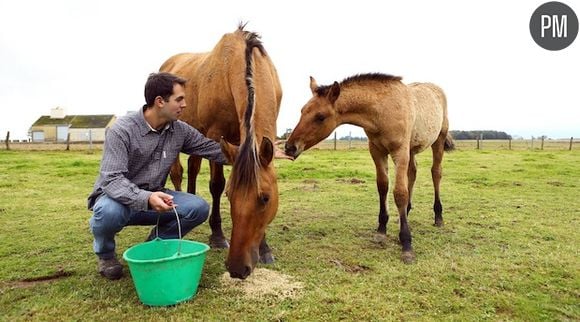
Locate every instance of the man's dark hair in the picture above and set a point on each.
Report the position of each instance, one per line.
(160, 84)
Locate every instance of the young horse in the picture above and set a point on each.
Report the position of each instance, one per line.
(233, 94)
(400, 120)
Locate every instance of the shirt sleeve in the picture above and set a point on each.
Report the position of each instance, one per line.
(197, 144)
(114, 169)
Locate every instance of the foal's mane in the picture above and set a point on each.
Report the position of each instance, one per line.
(359, 78)
(246, 167)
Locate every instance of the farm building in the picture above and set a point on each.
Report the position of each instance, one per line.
(57, 126)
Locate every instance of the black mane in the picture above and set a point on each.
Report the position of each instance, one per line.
(360, 78)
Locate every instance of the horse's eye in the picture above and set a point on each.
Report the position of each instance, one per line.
(319, 118)
(264, 198)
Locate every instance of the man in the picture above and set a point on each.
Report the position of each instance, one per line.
(138, 153)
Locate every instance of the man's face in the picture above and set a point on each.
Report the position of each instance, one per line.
(171, 110)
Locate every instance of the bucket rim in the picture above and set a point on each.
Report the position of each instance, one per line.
(165, 259)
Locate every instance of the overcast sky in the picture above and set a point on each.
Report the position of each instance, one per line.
(93, 57)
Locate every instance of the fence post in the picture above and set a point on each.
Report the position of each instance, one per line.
(68, 142)
(542, 145)
(510, 144)
(477, 147)
(7, 140)
(349, 140)
(532, 143)
(571, 140)
(334, 140)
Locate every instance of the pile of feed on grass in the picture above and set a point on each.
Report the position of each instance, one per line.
(264, 282)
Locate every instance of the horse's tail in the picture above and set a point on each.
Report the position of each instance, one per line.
(449, 144)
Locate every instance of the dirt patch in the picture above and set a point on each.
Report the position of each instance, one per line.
(350, 268)
(33, 281)
(264, 283)
(351, 181)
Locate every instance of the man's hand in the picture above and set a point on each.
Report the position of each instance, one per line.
(279, 153)
(161, 202)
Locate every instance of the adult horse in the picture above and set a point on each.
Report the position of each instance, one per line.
(233, 94)
(400, 120)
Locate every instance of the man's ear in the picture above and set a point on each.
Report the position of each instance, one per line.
(266, 152)
(334, 92)
(229, 150)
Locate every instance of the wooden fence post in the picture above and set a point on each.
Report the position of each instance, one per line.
(571, 140)
(334, 140)
(68, 142)
(542, 145)
(532, 143)
(510, 144)
(477, 147)
(8, 140)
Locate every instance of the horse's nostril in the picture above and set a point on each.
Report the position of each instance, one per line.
(290, 149)
(247, 271)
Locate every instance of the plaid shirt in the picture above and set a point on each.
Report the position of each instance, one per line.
(137, 159)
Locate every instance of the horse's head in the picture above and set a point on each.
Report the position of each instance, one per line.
(253, 194)
(319, 118)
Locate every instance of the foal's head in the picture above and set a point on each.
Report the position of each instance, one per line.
(319, 118)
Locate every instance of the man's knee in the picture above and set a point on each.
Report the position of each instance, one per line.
(108, 216)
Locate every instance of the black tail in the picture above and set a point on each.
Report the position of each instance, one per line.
(449, 144)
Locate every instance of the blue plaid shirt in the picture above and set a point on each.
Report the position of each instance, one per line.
(137, 159)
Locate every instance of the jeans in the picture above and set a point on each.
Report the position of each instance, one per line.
(110, 216)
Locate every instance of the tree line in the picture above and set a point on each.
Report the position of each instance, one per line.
(485, 135)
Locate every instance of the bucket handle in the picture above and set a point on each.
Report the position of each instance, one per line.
(178, 228)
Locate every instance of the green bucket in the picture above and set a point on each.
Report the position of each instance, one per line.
(166, 271)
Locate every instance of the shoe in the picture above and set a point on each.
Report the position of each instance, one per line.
(110, 268)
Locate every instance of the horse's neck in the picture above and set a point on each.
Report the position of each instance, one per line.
(357, 108)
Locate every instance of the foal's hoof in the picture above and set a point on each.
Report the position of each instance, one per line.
(380, 238)
(438, 223)
(218, 242)
(267, 258)
(408, 257)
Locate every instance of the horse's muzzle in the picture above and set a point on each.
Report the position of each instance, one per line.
(291, 150)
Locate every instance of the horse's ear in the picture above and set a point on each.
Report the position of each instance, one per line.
(313, 85)
(229, 150)
(266, 152)
(334, 92)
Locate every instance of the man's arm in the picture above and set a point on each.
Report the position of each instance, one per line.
(114, 168)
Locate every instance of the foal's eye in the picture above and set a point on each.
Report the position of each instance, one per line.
(319, 118)
(264, 198)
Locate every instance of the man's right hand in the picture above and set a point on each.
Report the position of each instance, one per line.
(161, 202)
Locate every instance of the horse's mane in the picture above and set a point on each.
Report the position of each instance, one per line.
(246, 167)
(359, 78)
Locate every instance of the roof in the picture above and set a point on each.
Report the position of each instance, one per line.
(77, 121)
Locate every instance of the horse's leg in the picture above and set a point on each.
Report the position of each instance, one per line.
(193, 166)
(266, 256)
(411, 174)
(216, 187)
(176, 174)
(401, 194)
(381, 167)
(438, 150)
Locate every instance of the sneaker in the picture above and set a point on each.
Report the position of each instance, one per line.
(110, 268)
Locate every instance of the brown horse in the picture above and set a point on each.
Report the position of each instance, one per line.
(400, 120)
(233, 94)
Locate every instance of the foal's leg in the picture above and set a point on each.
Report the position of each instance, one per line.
(266, 256)
(401, 193)
(438, 150)
(411, 174)
(193, 166)
(176, 174)
(216, 187)
(381, 165)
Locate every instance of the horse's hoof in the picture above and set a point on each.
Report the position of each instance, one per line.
(438, 223)
(380, 238)
(267, 258)
(408, 257)
(218, 242)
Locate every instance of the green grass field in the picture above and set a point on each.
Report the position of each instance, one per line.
(508, 250)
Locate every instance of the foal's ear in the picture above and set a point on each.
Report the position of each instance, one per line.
(313, 85)
(334, 92)
(229, 150)
(266, 152)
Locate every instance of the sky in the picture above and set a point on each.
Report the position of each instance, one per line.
(93, 57)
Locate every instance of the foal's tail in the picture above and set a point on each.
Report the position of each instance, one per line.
(449, 144)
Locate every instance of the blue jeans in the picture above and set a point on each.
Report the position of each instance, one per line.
(110, 216)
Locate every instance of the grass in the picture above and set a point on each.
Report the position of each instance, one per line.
(508, 250)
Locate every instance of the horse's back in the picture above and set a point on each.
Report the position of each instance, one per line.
(431, 114)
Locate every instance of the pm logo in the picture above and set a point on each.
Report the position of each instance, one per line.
(554, 26)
